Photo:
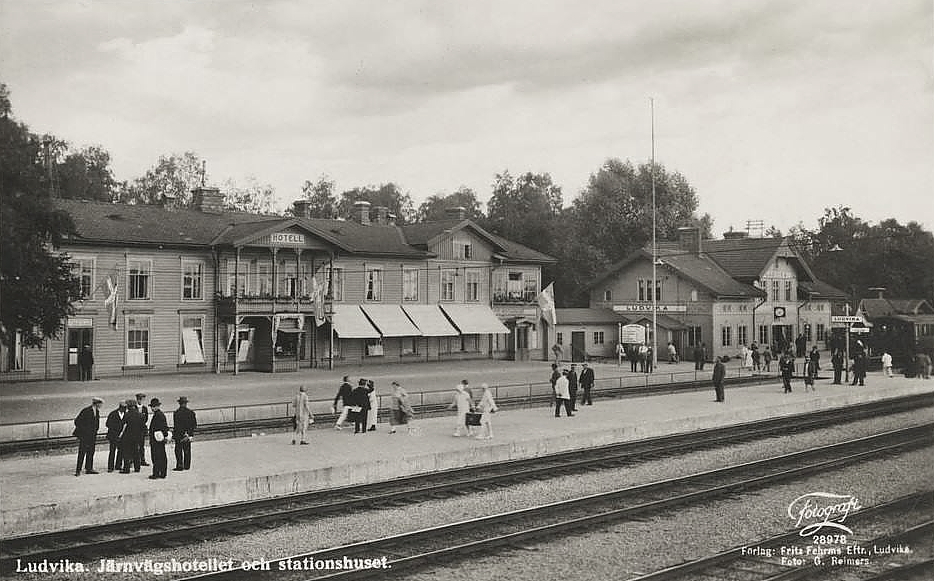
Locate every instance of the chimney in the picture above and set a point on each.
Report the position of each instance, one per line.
(735, 234)
(301, 208)
(361, 212)
(880, 290)
(689, 239)
(456, 213)
(381, 215)
(207, 200)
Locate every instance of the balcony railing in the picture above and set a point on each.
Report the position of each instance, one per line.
(245, 304)
(515, 297)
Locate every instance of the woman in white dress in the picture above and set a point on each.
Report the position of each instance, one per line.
(487, 407)
(374, 406)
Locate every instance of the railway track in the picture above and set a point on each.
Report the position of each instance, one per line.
(452, 542)
(905, 521)
(123, 537)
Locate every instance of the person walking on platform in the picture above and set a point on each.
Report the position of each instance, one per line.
(131, 437)
(563, 395)
(672, 353)
(185, 422)
(302, 416)
(814, 356)
(786, 365)
(719, 373)
(555, 374)
(114, 427)
(486, 408)
(745, 357)
(587, 381)
(887, 364)
(343, 398)
(144, 414)
(767, 358)
(401, 412)
(634, 358)
(810, 372)
(373, 415)
(756, 358)
(837, 361)
(87, 424)
(359, 406)
(859, 364)
(572, 386)
(463, 404)
(158, 438)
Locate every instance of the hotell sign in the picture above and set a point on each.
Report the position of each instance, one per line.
(286, 238)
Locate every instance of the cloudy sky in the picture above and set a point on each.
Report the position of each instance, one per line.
(773, 109)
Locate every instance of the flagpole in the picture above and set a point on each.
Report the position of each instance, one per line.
(654, 253)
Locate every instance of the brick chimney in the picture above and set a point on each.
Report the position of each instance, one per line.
(381, 215)
(689, 239)
(735, 234)
(456, 213)
(208, 200)
(361, 212)
(301, 208)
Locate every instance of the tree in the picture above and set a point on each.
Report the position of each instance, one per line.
(388, 195)
(173, 176)
(86, 175)
(253, 198)
(525, 209)
(322, 198)
(435, 207)
(37, 285)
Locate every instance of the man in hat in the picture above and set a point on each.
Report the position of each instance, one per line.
(158, 437)
(563, 395)
(586, 381)
(87, 423)
(133, 429)
(343, 397)
(144, 415)
(114, 427)
(185, 423)
(719, 373)
(86, 363)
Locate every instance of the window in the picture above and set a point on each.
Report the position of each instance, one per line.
(642, 289)
(531, 289)
(775, 295)
(410, 284)
(560, 339)
(693, 295)
(264, 279)
(468, 251)
(374, 284)
(470, 343)
(374, 347)
(645, 293)
(84, 269)
(336, 283)
(137, 341)
(788, 287)
(764, 334)
(821, 332)
(726, 336)
(742, 335)
(473, 285)
(138, 273)
(807, 332)
(694, 336)
(514, 286)
(192, 280)
(447, 285)
(607, 295)
(192, 331)
(288, 279)
(410, 345)
(598, 337)
(236, 279)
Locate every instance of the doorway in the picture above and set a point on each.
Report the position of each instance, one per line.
(77, 339)
(578, 349)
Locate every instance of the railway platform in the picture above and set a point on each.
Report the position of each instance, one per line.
(41, 493)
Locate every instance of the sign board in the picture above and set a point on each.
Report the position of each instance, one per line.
(80, 323)
(846, 319)
(639, 308)
(287, 238)
(632, 334)
(859, 330)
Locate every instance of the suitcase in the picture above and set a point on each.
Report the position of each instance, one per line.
(473, 419)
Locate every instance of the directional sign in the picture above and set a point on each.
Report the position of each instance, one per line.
(859, 330)
(846, 319)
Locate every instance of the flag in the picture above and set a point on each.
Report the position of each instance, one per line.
(111, 300)
(546, 301)
(317, 294)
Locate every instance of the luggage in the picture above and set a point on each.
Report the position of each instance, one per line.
(473, 419)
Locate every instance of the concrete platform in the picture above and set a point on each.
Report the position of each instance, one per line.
(42, 494)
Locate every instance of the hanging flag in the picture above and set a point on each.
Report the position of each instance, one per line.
(317, 294)
(111, 300)
(546, 301)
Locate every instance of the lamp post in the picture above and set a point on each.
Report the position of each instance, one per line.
(654, 254)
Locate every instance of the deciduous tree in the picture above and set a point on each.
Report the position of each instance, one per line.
(322, 197)
(435, 207)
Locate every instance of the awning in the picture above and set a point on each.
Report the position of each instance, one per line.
(430, 320)
(474, 319)
(351, 323)
(391, 320)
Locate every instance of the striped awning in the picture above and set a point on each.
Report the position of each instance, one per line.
(474, 319)
(390, 320)
(350, 323)
(430, 320)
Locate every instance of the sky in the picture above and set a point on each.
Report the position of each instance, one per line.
(772, 109)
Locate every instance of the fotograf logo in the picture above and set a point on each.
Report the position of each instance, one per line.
(816, 510)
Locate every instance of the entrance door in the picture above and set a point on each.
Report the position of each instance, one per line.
(77, 339)
(578, 350)
(522, 342)
(782, 336)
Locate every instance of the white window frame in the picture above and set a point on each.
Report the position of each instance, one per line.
(337, 291)
(232, 273)
(598, 338)
(147, 355)
(182, 356)
(726, 336)
(742, 335)
(373, 285)
(448, 287)
(149, 278)
(410, 286)
(471, 278)
(79, 270)
(201, 270)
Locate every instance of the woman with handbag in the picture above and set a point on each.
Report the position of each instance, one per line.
(401, 413)
(463, 404)
(487, 408)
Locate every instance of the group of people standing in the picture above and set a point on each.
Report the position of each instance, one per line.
(360, 405)
(470, 415)
(127, 427)
(564, 386)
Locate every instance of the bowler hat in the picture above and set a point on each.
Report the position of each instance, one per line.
(154, 402)
(183, 399)
(140, 395)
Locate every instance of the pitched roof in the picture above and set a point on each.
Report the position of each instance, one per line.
(820, 290)
(742, 258)
(591, 316)
(882, 307)
(423, 233)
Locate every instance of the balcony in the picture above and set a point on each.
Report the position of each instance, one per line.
(515, 297)
(263, 304)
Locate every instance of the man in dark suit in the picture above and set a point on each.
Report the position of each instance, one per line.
(719, 373)
(144, 415)
(158, 437)
(86, 363)
(586, 381)
(87, 423)
(132, 434)
(184, 423)
(114, 427)
(572, 386)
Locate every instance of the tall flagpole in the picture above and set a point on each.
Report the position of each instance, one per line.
(654, 253)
